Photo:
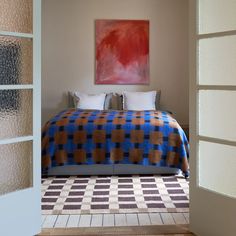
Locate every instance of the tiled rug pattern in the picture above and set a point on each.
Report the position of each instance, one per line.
(114, 194)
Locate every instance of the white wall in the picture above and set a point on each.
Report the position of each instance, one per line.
(68, 49)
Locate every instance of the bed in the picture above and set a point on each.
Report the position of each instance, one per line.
(85, 142)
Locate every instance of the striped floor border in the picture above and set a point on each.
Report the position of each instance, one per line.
(114, 220)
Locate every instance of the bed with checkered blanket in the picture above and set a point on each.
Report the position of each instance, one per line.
(87, 137)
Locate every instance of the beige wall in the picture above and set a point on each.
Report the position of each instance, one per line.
(68, 51)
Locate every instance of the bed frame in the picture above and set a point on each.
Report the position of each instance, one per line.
(116, 169)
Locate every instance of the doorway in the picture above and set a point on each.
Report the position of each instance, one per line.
(76, 62)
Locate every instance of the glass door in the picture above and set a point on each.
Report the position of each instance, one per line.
(213, 117)
(20, 117)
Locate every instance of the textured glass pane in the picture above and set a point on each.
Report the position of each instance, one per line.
(16, 15)
(217, 114)
(16, 59)
(217, 61)
(15, 113)
(217, 16)
(16, 166)
(217, 165)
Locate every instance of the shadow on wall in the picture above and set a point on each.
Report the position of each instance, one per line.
(49, 112)
(67, 101)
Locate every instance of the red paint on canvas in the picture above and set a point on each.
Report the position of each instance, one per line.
(122, 52)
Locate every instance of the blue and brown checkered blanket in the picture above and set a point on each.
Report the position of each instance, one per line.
(77, 136)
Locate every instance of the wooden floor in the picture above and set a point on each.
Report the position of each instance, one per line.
(111, 220)
(171, 230)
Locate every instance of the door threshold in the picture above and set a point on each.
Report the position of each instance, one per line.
(124, 230)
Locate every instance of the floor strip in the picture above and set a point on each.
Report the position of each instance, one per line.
(167, 219)
(122, 231)
(132, 219)
(108, 220)
(50, 221)
(73, 221)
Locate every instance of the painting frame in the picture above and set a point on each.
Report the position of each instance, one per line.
(122, 52)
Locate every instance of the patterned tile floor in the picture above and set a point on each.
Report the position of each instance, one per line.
(114, 195)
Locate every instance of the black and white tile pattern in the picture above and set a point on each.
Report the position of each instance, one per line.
(114, 194)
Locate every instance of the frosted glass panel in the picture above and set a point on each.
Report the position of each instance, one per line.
(217, 165)
(17, 160)
(217, 61)
(217, 16)
(217, 114)
(16, 15)
(16, 59)
(15, 113)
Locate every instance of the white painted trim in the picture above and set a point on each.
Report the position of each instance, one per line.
(37, 109)
(16, 86)
(16, 34)
(215, 192)
(196, 20)
(217, 87)
(217, 34)
(216, 140)
(16, 140)
(193, 31)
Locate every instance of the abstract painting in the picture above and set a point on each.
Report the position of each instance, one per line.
(122, 51)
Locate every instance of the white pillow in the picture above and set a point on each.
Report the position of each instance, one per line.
(139, 101)
(88, 101)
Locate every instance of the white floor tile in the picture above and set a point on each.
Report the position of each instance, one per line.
(155, 219)
(61, 221)
(49, 221)
(120, 220)
(179, 218)
(167, 218)
(97, 220)
(144, 219)
(132, 219)
(73, 221)
(108, 220)
(85, 221)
